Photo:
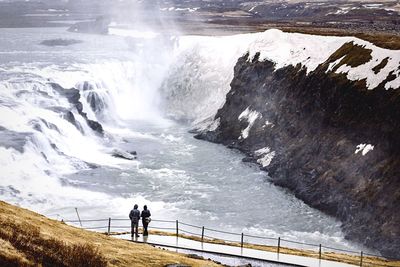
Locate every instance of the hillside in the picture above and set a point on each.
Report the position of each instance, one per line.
(29, 239)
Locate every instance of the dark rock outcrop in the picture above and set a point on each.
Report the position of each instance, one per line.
(314, 123)
(118, 153)
(73, 95)
(60, 42)
(69, 116)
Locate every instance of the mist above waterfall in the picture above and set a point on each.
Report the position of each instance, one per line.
(125, 79)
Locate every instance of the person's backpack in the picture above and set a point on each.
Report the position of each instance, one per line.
(134, 215)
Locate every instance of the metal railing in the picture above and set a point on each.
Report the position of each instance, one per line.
(244, 240)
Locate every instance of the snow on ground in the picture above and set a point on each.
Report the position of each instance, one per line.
(373, 6)
(342, 11)
(292, 48)
(179, 9)
(365, 71)
(333, 64)
(310, 51)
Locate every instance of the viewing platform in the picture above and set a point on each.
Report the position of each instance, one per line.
(179, 243)
(212, 243)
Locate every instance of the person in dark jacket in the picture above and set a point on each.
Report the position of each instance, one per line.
(145, 219)
(134, 215)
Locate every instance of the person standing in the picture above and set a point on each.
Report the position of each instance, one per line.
(145, 220)
(134, 215)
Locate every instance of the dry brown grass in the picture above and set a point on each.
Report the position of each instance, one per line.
(381, 65)
(23, 250)
(9, 256)
(353, 55)
(27, 240)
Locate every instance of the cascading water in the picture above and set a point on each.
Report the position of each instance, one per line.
(200, 75)
(54, 159)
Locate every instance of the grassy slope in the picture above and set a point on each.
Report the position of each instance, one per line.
(117, 252)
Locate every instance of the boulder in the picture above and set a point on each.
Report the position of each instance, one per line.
(118, 153)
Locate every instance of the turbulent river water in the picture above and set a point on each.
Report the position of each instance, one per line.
(147, 91)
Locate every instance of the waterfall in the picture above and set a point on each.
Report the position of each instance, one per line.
(55, 112)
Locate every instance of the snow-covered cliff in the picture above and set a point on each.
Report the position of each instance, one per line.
(322, 116)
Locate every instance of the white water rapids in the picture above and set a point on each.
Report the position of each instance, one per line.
(140, 89)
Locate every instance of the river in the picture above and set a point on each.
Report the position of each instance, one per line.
(147, 95)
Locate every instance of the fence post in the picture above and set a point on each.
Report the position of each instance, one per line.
(361, 259)
(320, 251)
(79, 218)
(177, 228)
(202, 234)
(109, 226)
(279, 244)
(241, 241)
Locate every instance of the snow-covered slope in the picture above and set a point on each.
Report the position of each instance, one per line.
(311, 50)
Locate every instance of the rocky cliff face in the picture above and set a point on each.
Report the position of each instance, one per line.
(325, 135)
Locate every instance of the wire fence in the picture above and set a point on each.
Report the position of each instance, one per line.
(264, 243)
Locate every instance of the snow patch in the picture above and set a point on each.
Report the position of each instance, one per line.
(342, 11)
(180, 9)
(251, 116)
(262, 151)
(252, 8)
(268, 123)
(372, 6)
(333, 64)
(364, 149)
(266, 156)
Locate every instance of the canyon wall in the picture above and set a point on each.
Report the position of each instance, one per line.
(329, 133)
